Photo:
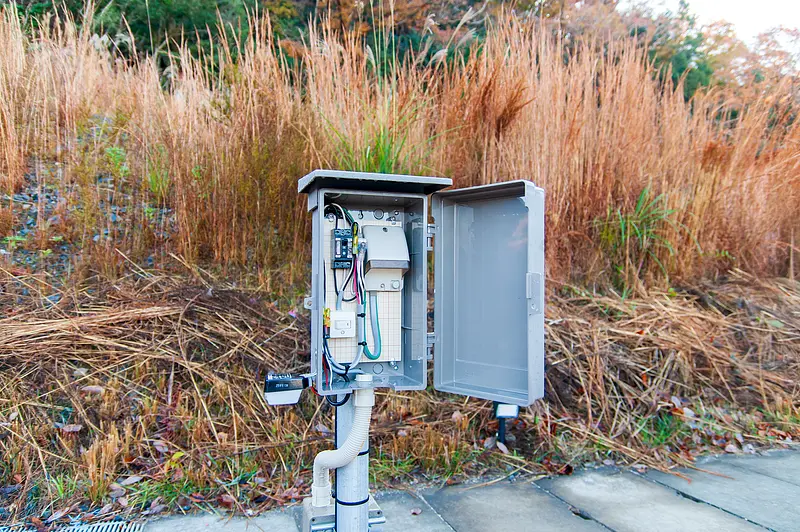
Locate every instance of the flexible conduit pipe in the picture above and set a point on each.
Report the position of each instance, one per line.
(364, 399)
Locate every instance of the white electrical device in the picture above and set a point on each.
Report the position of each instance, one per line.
(387, 258)
(343, 324)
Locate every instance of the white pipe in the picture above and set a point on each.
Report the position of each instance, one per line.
(364, 399)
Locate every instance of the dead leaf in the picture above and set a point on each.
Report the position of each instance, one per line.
(416, 511)
(115, 491)
(490, 442)
(402, 433)
(74, 427)
(226, 500)
(93, 389)
(502, 447)
(13, 415)
(160, 446)
(130, 480)
(80, 372)
(457, 416)
(123, 501)
(566, 470)
(55, 516)
(322, 429)
(105, 509)
(688, 412)
(155, 509)
(40, 526)
(731, 448)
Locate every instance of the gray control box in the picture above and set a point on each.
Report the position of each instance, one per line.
(488, 252)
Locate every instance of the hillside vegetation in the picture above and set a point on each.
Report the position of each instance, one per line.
(201, 159)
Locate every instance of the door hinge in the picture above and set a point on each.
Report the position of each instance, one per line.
(431, 234)
(533, 289)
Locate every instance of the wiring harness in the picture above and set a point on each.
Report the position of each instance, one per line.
(354, 283)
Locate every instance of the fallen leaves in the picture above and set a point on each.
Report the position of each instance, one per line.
(38, 524)
(115, 491)
(322, 429)
(58, 514)
(130, 480)
(155, 507)
(105, 509)
(227, 501)
(160, 446)
(461, 421)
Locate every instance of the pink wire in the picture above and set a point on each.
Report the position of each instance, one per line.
(355, 277)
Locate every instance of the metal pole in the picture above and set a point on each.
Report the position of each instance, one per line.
(352, 480)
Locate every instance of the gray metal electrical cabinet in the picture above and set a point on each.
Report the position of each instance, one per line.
(489, 303)
(488, 245)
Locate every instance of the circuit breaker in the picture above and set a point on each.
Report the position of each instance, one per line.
(372, 246)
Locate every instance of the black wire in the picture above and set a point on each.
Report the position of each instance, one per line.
(346, 281)
(354, 228)
(337, 404)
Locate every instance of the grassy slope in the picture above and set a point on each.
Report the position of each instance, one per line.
(156, 379)
(207, 169)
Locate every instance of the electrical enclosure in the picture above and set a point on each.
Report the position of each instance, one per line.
(489, 304)
(488, 338)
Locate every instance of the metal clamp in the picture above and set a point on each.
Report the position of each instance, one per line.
(430, 235)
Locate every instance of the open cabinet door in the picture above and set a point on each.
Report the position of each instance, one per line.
(489, 292)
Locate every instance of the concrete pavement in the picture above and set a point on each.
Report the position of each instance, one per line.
(738, 493)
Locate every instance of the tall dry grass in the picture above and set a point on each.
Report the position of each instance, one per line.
(206, 167)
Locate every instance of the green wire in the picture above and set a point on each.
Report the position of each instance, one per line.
(377, 340)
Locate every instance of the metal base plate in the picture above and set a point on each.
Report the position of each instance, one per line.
(320, 519)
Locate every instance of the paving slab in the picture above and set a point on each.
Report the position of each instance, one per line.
(505, 506)
(627, 503)
(781, 465)
(406, 512)
(762, 499)
(275, 521)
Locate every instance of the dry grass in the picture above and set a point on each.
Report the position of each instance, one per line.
(151, 377)
(155, 377)
(220, 153)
